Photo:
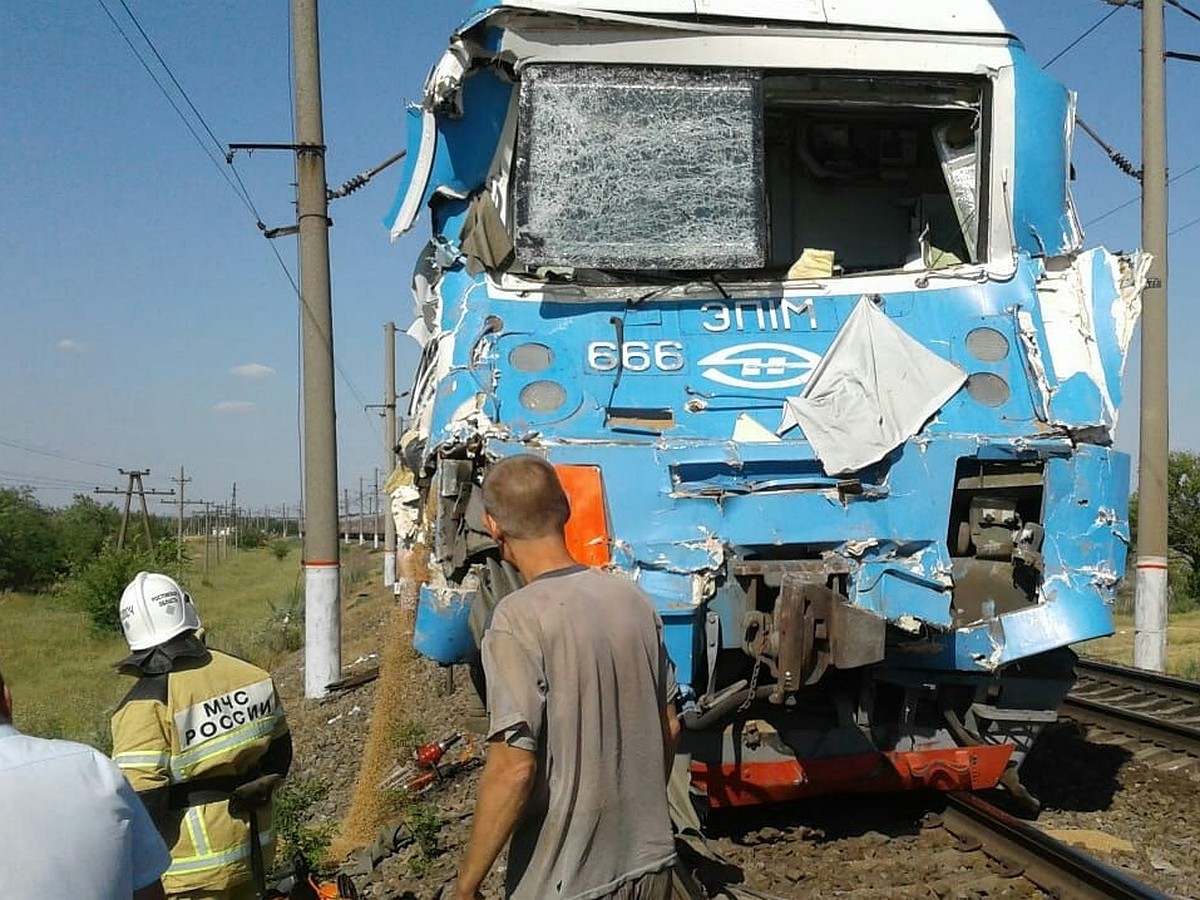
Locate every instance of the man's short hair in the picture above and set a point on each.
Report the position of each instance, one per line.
(523, 494)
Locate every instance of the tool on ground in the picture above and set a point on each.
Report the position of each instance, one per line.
(249, 798)
(425, 769)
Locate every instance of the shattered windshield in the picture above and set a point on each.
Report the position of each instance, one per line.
(638, 168)
(788, 176)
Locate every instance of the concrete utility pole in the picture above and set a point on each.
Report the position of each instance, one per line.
(362, 518)
(1150, 606)
(375, 513)
(389, 451)
(322, 563)
(207, 531)
(181, 481)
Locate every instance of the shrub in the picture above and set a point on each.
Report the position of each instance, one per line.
(280, 548)
(30, 547)
(297, 835)
(97, 585)
(423, 822)
(250, 537)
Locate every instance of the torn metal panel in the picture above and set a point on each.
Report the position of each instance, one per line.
(451, 155)
(1043, 211)
(1089, 305)
(900, 587)
(441, 631)
(1039, 381)
(874, 388)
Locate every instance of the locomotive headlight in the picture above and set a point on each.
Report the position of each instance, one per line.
(531, 357)
(987, 345)
(988, 389)
(543, 396)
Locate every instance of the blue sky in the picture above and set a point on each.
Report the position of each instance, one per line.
(144, 321)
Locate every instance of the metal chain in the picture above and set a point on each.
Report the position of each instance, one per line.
(753, 689)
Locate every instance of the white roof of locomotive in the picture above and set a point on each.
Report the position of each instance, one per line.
(942, 16)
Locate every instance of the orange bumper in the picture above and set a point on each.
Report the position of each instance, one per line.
(954, 769)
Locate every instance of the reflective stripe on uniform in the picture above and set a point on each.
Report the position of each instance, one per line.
(158, 760)
(246, 734)
(197, 832)
(204, 861)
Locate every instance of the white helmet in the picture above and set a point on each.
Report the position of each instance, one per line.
(154, 609)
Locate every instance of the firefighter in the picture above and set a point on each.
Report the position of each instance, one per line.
(196, 725)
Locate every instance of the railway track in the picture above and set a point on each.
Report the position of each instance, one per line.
(1054, 867)
(1157, 709)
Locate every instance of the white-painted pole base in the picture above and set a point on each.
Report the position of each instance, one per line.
(322, 628)
(389, 568)
(1150, 615)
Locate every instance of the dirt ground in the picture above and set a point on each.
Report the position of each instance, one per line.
(1131, 814)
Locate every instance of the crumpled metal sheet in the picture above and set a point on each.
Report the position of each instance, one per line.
(873, 390)
(1088, 305)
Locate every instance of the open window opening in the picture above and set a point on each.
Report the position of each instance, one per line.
(789, 175)
(881, 172)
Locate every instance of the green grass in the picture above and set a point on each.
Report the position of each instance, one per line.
(62, 675)
(1183, 644)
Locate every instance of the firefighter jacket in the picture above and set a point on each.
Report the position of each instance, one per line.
(196, 725)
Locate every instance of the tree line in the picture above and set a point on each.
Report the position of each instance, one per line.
(73, 548)
(71, 551)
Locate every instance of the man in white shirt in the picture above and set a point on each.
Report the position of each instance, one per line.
(71, 827)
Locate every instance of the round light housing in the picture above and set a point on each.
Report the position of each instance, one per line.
(531, 357)
(543, 396)
(987, 345)
(988, 389)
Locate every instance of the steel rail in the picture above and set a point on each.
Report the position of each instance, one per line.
(1055, 867)
(1172, 735)
(1137, 677)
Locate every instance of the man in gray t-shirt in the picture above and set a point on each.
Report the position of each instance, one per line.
(582, 728)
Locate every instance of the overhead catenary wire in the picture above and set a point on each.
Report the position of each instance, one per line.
(1183, 9)
(175, 106)
(1128, 203)
(241, 189)
(228, 173)
(1071, 46)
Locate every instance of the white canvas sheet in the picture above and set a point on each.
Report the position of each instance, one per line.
(873, 390)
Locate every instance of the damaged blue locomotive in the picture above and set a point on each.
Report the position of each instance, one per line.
(794, 295)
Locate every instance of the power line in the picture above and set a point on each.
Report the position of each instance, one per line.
(1071, 46)
(241, 189)
(22, 479)
(175, 106)
(175, 81)
(1185, 226)
(54, 454)
(235, 182)
(1128, 203)
(1183, 9)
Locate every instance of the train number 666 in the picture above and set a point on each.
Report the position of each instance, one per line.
(635, 356)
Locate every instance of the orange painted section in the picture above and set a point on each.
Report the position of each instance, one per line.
(951, 769)
(587, 529)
